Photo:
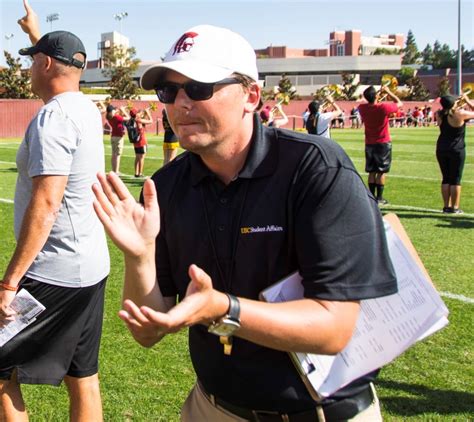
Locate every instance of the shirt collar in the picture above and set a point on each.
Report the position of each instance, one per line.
(261, 161)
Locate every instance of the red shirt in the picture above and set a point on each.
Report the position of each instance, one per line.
(116, 122)
(141, 130)
(375, 118)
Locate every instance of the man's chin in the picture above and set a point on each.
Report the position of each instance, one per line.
(193, 144)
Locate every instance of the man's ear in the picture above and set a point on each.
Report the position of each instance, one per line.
(48, 63)
(253, 98)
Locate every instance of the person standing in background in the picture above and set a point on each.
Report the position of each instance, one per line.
(61, 256)
(274, 116)
(378, 143)
(116, 121)
(318, 123)
(142, 118)
(170, 141)
(451, 149)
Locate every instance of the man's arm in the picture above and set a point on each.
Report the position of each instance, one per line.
(305, 325)
(147, 120)
(124, 112)
(30, 23)
(101, 106)
(336, 109)
(393, 97)
(134, 228)
(37, 222)
(281, 119)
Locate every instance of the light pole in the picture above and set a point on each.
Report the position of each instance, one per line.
(120, 17)
(52, 17)
(8, 37)
(459, 81)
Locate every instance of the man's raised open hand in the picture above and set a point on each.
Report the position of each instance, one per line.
(131, 226)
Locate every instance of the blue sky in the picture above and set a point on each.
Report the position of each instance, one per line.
(153, 25)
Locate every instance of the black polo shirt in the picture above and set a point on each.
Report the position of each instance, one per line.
(297, 204)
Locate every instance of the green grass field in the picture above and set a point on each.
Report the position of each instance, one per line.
(433, 381)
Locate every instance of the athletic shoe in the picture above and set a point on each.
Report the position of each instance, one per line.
(382, 201)
(457, 211)
(447, 210)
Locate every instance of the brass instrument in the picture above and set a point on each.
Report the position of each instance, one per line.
(329, 91)
(282, 97)
(461, 101)
(152, 106)
(279, 102)
(390, 82)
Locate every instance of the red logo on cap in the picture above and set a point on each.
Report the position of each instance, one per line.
(185, 42)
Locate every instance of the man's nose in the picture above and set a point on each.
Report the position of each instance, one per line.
(182, 98)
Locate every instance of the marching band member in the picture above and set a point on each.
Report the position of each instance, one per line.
(318, 123)
(451, 149)
(378, 144)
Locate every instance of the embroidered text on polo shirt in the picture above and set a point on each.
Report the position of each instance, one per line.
(250, 230)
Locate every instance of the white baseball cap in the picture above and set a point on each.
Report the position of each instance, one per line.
(205, 53)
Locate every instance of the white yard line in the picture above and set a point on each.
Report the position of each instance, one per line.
(427, 179)
(449, 295)
(437, 211)
(461, 298)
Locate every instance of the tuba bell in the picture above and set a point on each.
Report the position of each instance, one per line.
(390, 82)
(329, 91)
(461, 100)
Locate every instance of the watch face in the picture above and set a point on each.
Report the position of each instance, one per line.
(224, 328)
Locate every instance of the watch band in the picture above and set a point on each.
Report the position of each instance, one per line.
(234, 308)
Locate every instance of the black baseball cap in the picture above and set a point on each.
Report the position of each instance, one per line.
(61, 45)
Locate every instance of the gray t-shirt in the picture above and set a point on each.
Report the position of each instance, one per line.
(65, 138)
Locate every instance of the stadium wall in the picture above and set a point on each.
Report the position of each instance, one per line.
(15, 115)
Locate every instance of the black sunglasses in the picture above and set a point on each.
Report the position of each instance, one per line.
(196, 91)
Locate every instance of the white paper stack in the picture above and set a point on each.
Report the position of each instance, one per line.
(386, 327)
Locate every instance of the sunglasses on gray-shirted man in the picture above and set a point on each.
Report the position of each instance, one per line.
(196, 91)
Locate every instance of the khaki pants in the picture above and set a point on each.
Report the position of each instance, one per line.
(198, 408)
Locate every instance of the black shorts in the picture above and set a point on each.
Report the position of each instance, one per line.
(64, 340)
(451, 164)
(140, 150)
(378, 158)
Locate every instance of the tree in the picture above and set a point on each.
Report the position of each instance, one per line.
(447, 57)
(381, 51)
(404, 74)
(443, 56)
(410, 52)
(284, 92)
(427, 55)
(443, 87)
(436, 54)
(417, 90)
(120, 66)
(467, 58)
(349, 87)
(14, 83)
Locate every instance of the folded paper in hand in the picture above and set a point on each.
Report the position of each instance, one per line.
(27, 308)
(386, 327)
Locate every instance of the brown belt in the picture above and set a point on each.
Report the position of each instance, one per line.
(339, 411)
